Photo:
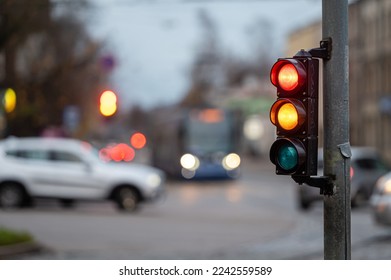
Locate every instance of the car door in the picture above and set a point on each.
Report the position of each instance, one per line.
(32, 165)
(72, 177)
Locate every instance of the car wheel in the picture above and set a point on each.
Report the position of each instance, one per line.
(11, 195)
(127, 199)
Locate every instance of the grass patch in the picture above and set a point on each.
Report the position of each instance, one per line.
(9, 237)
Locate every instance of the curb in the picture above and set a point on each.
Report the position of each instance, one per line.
(19, 248)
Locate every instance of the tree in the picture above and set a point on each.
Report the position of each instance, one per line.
(215, 69)
(19, 19)
(206, 73)
(51, 67)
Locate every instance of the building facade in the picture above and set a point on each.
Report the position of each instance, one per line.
(369, 70)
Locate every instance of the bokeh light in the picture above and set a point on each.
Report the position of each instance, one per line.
(138, 140)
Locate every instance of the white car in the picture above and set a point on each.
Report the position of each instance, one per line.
(366, 166)
(381, 200)
(70, 170)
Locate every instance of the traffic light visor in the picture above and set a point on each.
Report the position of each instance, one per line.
(288, 75)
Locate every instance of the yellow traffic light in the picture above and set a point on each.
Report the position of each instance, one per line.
(108, 103)
(287, 116)
(9, 100)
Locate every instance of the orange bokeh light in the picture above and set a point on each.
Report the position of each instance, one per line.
(119, 152)
(138, 140)
(122, 152)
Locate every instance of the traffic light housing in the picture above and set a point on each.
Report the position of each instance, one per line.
(295, 115)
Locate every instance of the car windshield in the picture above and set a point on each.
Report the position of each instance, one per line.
(372, 164)
(209, 135)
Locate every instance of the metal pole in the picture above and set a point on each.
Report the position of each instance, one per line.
(337, 224)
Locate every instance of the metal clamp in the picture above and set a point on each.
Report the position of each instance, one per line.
(324, 183)
(324, 52)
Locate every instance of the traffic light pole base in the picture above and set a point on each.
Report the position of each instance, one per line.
(324, 183)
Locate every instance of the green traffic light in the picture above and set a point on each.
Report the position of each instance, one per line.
(287, 157)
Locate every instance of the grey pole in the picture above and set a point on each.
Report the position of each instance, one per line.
(337, 224)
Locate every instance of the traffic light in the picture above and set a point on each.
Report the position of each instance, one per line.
(295, 115)
(108, 103)
(9, 100)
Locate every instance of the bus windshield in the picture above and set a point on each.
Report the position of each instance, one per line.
(206, 137)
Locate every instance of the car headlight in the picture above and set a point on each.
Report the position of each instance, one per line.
(154, 180)
(383, 185)
(231, 161)
(190, 162)
(387, 186)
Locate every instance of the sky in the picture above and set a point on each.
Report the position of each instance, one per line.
(154, 41)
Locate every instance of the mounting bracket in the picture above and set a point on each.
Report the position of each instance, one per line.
(324, 51)
(324, 183)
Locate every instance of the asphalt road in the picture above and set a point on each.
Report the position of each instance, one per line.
(254, 217)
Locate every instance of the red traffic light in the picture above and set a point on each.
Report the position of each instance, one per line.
(288, 75)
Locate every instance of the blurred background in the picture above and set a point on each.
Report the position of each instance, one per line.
(192, 78)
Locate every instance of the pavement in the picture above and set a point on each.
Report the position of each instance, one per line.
(8, 251)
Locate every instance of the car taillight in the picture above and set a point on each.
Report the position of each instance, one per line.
(351, 173)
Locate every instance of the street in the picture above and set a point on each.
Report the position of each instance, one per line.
(254, 217)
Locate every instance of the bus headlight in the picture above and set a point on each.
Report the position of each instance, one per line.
(231, 161)
(190, 162)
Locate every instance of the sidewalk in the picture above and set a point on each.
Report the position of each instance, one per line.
(8, 251)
